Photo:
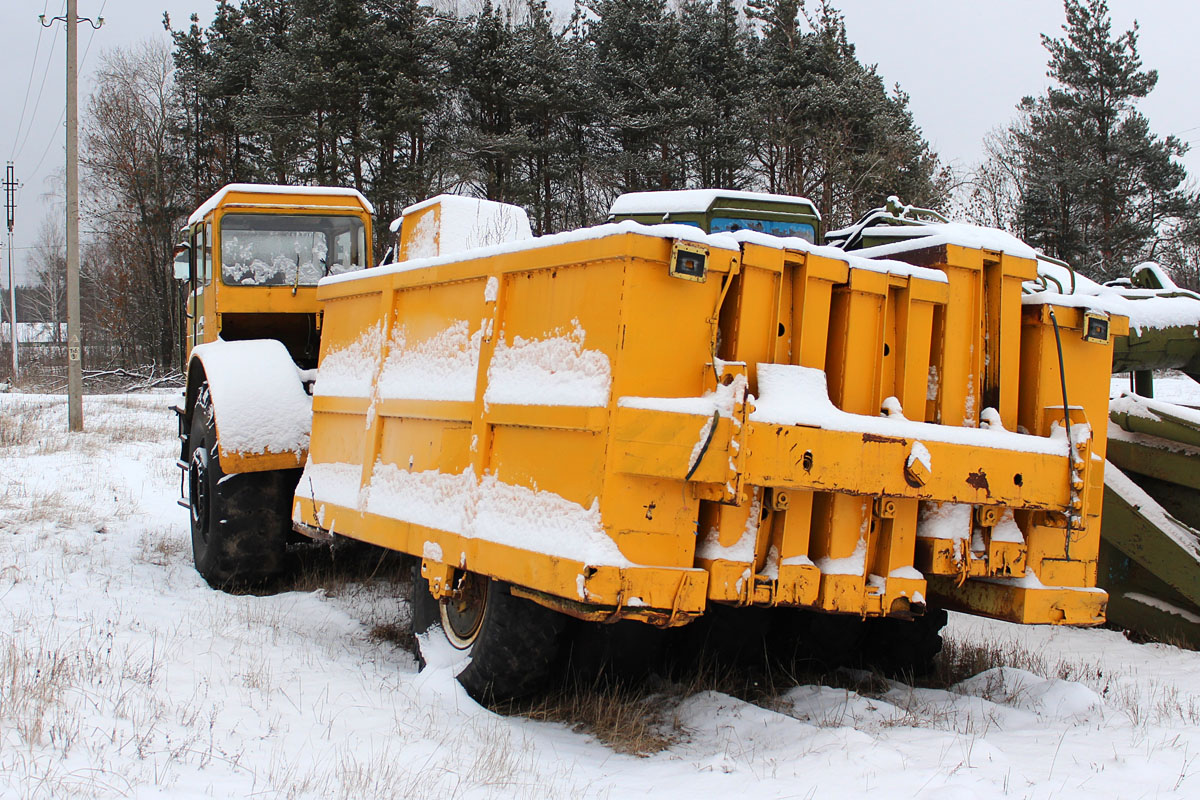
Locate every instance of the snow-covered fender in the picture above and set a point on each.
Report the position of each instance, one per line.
(263, 414)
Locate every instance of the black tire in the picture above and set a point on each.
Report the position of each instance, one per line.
(903, 648)
(612, 653)
(512, 642)
(805, 641)
(240, 523)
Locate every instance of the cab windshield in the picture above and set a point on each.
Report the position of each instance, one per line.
(268, 249)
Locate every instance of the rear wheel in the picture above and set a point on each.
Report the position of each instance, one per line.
(239, 523)
(512, 642)
(904, 648)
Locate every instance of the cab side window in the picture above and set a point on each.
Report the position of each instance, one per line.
(207, 254)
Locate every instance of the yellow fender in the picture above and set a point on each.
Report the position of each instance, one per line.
(263, 413)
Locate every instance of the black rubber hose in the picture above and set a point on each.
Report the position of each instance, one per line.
(1062, 379)
(712, 430)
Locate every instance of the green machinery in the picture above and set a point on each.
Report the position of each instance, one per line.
(717, 210)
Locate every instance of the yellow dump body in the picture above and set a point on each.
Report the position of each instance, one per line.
(795, 428)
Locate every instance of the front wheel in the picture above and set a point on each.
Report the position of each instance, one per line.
(512, 642)
(239, 523)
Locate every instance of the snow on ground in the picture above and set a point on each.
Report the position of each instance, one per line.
(1169, 385)
(123, 675)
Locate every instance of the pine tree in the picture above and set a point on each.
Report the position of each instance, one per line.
(1099, 189)
(639, 76)
(827, 127)
(714, 52)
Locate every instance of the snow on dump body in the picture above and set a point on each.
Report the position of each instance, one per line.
(442, 367)
(462, 224)
(263, 188)
(792, 395)
(731, 241)
(476, 508)
(551, 371)
(956, 233)
(684, 232)
(856, 260)
(246, 424)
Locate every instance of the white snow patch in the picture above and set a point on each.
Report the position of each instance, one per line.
(944, 521)
(335, 483)
(721, 400)
(853, 564)
(1163, 605)
(1152, 409)
(920, 453)
(685, 201)
(1048, 698)
(444, 366)
(956, 233)
(460, 224)
(350, 371)
(685, 232)
(1147, 309)
(742, 550)
(793, 395)
(488, 509)
(1006, 529)
(553, 371)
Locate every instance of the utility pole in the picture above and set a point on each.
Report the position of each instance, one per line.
(74, 365)
(10, 208)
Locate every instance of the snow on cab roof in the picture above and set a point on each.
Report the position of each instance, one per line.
(266, 188)
(694, 200)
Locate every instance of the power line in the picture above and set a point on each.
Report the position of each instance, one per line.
(82, 61)
(29, 83)
(41, 89)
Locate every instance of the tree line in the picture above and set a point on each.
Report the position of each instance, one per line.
(402, 100)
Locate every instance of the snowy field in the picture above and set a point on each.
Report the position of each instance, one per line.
(123, 675)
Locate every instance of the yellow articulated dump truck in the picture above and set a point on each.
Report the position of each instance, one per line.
(691, 407)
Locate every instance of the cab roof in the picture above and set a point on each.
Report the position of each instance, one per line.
(264, 188)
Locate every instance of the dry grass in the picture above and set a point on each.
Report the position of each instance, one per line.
(162, 547)
(37, 425)
(635, 720)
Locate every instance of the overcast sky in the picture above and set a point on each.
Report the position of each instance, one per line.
(964, 64)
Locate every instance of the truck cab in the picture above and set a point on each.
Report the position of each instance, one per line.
(252, 256)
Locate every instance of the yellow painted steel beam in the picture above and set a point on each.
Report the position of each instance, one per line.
(651, 593)
(1015, 602)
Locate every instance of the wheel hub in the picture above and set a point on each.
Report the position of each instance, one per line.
(462, 615)
(198, 491)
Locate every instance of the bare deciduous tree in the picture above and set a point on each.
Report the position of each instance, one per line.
(48, 298)
(137, 197)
